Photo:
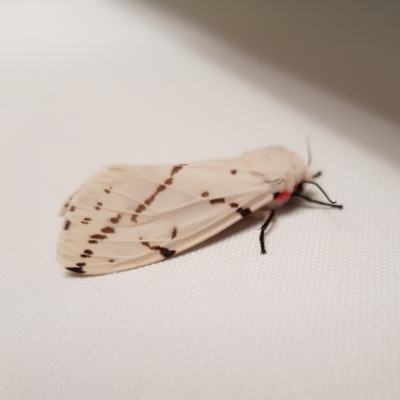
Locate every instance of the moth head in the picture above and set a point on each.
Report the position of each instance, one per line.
(284, 169)
(282, 197)
(285, 193)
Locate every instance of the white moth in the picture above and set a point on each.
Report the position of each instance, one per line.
(128, 216)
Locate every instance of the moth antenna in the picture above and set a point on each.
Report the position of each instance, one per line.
(317, 175)
(322, 190)
(316, 201)
(263, 228)
(308, 152)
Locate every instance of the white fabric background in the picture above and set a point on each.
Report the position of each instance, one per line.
(89, 83)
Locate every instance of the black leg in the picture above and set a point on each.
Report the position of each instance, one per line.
(263, 228)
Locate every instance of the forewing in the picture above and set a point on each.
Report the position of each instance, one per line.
(126, 216)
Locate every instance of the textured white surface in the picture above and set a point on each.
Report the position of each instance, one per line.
(84, 84)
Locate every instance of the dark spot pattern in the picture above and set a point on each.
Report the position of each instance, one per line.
(111, 261)
(166, 253)
(205, 194)
(107, 191)
(98, 236)
(108, 229)
(87, 253)
(174, 233)
(72, 208)
(77, 270)
(116, 219)
(233, 171)
(174, 171)
(93, 241)
(80, 264)
(97, 208)
(67, 224)
(234, 205)
(87, 219)
(140, 208)
(244, 212)
(216, 201)
(99, 203)
(159, 189)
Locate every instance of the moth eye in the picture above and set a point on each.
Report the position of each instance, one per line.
(276, 195)
(298, 187)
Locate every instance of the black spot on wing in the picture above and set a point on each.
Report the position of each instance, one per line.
(77, 270)
(140, 208)
(98, 236)
(175, 170)
(244, 212)
(72, 208)
(116, 219)
(108, 229)
(217, 201)
(159, 189)
(174, 233)
(166, 253)
(67, 224)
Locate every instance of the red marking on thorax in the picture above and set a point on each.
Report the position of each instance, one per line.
(283, 196)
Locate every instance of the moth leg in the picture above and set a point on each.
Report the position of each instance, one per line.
(263, 228)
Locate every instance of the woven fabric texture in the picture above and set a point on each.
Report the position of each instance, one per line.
(86, 84)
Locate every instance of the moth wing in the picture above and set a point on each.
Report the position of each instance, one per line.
(127, 216)
(65, 206)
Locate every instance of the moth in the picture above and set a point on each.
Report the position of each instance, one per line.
(128, 216)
